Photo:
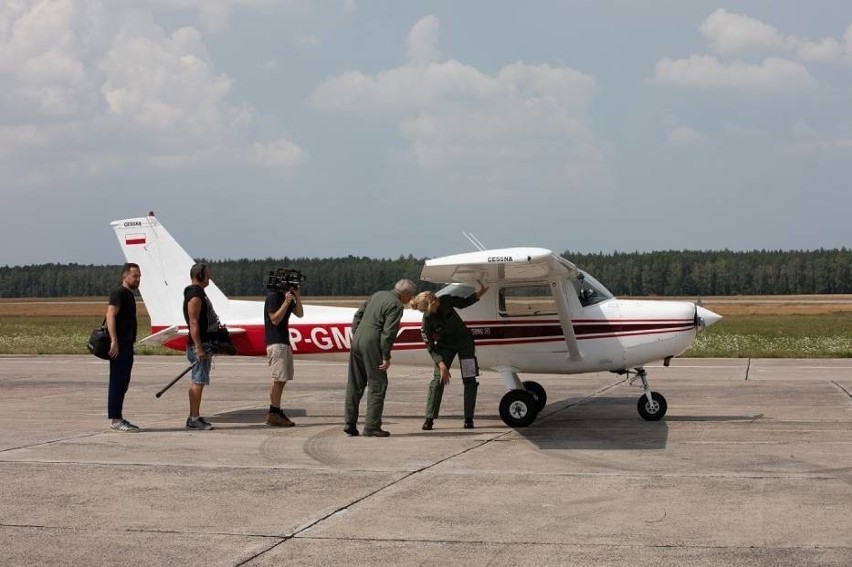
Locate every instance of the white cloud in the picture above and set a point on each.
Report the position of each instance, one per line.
(214, 15)
(404, 87)
(279, 154)
(773, 74)
(44, 46)
(826, 49)
(452, 114)
(683, 136)
(107, 73)
(564, 86)
(731, 33)
(422, 40)
(167, 85)
(454, 83)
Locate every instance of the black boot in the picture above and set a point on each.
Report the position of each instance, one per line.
(351, 430)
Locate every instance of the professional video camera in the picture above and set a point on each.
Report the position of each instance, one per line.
(284, 279)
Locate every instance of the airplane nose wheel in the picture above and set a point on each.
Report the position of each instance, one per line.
(651, 405)
(654, 409)
(518, 408)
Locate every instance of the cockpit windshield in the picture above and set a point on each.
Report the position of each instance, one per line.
(590, 291)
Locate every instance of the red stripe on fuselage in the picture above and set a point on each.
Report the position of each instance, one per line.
(336, 338)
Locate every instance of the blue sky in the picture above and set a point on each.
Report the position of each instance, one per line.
(258, 128)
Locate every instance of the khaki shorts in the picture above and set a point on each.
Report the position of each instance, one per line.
(280, 358)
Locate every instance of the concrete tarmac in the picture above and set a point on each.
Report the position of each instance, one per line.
(751, 466)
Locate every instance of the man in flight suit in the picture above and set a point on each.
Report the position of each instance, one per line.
(374, 330)
(446, 337)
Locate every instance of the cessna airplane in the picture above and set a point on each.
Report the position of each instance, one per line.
(541, 315)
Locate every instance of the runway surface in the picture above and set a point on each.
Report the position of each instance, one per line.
(751, 466)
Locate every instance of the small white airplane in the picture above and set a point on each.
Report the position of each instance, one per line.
(542, 314)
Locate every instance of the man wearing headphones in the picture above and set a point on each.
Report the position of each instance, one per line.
(200, 318)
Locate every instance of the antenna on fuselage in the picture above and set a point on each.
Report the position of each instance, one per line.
(474, 240)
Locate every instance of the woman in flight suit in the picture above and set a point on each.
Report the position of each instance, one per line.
(446, 337)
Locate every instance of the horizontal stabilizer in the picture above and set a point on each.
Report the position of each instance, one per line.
(175, 332)
(164, 336)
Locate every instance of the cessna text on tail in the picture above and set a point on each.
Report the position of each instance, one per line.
(542, 315)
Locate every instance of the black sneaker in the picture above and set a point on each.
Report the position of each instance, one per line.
(198, 423)
(427, 425)
(351, 430)
(376, 433)
(468, 424)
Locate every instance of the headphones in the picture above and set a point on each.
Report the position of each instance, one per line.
(202, 271)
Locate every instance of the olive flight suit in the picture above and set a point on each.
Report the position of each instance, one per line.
(446, 337)
(374, 331)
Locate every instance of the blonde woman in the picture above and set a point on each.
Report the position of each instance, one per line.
(446, 337)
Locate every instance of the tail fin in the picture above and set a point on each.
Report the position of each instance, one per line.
(165, 270)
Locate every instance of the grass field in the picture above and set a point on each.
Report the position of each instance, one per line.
(753, 327)
(801, 326)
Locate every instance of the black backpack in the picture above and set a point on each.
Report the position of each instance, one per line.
(99, 341)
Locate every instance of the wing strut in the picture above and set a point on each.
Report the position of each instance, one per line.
(560, 294)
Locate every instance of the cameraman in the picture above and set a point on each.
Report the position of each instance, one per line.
(281, 301)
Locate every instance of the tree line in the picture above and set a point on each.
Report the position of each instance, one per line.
(634, 273)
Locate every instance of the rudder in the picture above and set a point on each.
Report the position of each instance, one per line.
(165, 269)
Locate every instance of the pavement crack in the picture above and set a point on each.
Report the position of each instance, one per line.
(50, 442)
(846, 391)
(305, 528)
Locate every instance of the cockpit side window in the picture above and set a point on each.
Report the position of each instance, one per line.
(526, 300)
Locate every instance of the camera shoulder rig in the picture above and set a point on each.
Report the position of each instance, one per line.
(283, 279)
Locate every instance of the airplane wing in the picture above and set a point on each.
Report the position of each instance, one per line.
(506, 264)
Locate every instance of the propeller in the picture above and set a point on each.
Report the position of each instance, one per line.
(704, 317)
(697, 320)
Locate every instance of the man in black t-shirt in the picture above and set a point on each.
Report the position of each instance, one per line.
(121, 323)
(276, 315)
(202, 320)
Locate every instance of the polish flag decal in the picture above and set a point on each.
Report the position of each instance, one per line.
(132, 239)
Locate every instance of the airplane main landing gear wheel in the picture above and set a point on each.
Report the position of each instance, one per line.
(538, 392)
(518, 408)
(652, 411)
